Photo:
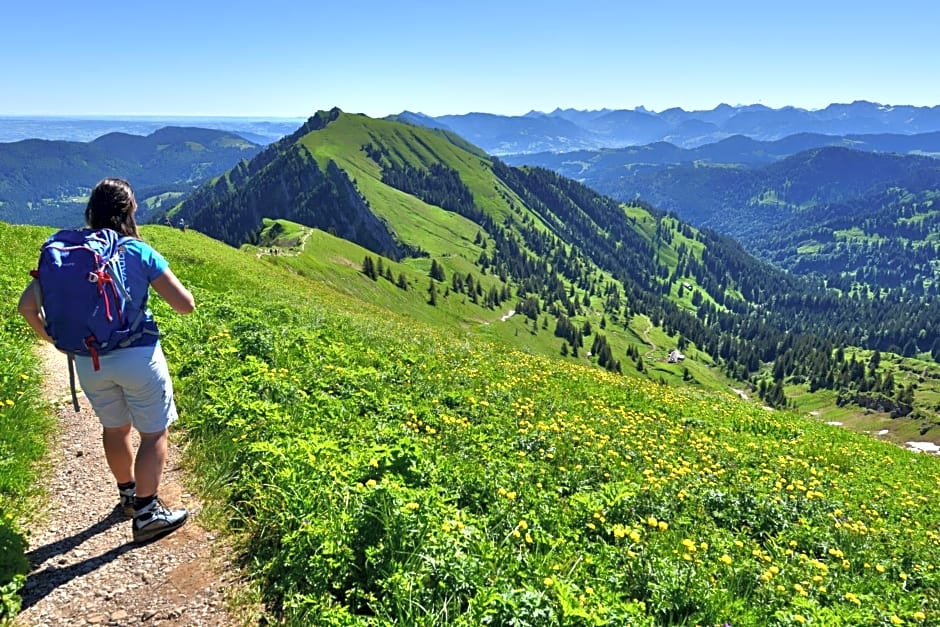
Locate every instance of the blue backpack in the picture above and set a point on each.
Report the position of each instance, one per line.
(85, 305)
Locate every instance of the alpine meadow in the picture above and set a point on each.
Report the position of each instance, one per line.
(425, 387)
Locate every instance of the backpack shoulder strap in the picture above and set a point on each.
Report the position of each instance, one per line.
(114, 258)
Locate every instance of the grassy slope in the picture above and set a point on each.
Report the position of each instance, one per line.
(839, 456)
(440, 232)
(338, 262)
(24, 421)
(325, 425)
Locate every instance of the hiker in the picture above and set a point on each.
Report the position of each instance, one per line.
(129, 386)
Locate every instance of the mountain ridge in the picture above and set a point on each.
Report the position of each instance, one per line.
(613, 128)
(47, 181)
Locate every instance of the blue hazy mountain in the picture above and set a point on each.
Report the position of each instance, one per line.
(261, 131)
(564, 130)
(45, 181)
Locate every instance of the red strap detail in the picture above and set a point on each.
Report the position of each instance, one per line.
(93, 352)
(34, 274)
(104, 280)
(104, 296)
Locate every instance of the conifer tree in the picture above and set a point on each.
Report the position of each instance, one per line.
(437, 272)
(368, 268)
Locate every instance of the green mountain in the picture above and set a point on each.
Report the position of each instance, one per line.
(47, 182)
(568, 259)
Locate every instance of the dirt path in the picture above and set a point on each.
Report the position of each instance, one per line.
(282, 252)
(85, 569)
(646, 336)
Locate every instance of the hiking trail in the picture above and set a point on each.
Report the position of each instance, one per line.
(85, 569)
(646, 336)
(293, 251)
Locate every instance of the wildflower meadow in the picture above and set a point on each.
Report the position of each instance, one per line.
(373, 471)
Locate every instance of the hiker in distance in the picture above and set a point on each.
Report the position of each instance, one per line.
(129, 385)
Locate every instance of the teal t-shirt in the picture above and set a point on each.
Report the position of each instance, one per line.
(140, 265)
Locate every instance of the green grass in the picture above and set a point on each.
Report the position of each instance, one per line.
(376, 466)
(25, 423)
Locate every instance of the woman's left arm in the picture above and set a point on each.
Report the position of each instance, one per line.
(29, 309)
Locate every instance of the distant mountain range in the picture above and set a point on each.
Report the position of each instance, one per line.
(608, 164)
(565, 130)
(85, 129)
(47, 182)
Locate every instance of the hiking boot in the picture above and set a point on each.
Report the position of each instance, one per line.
(126, 496)
(156, 520)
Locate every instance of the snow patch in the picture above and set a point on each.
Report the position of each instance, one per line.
(924, 447)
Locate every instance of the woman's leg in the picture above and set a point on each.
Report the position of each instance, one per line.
(119, 452)
(151, 458)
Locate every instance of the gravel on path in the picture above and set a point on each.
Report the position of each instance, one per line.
(85, 568)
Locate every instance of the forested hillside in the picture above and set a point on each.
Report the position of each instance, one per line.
(853, 217)
(569, 258)
(47, 182)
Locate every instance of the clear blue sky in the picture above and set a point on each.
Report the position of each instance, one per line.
(289, 59)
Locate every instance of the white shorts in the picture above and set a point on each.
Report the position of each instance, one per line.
(132, 386)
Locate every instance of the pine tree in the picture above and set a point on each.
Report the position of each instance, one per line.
(437, 272)
(368, 268)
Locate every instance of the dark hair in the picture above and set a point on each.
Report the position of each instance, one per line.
(112, 206)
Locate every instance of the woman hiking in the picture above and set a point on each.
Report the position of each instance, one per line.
(129, 386)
